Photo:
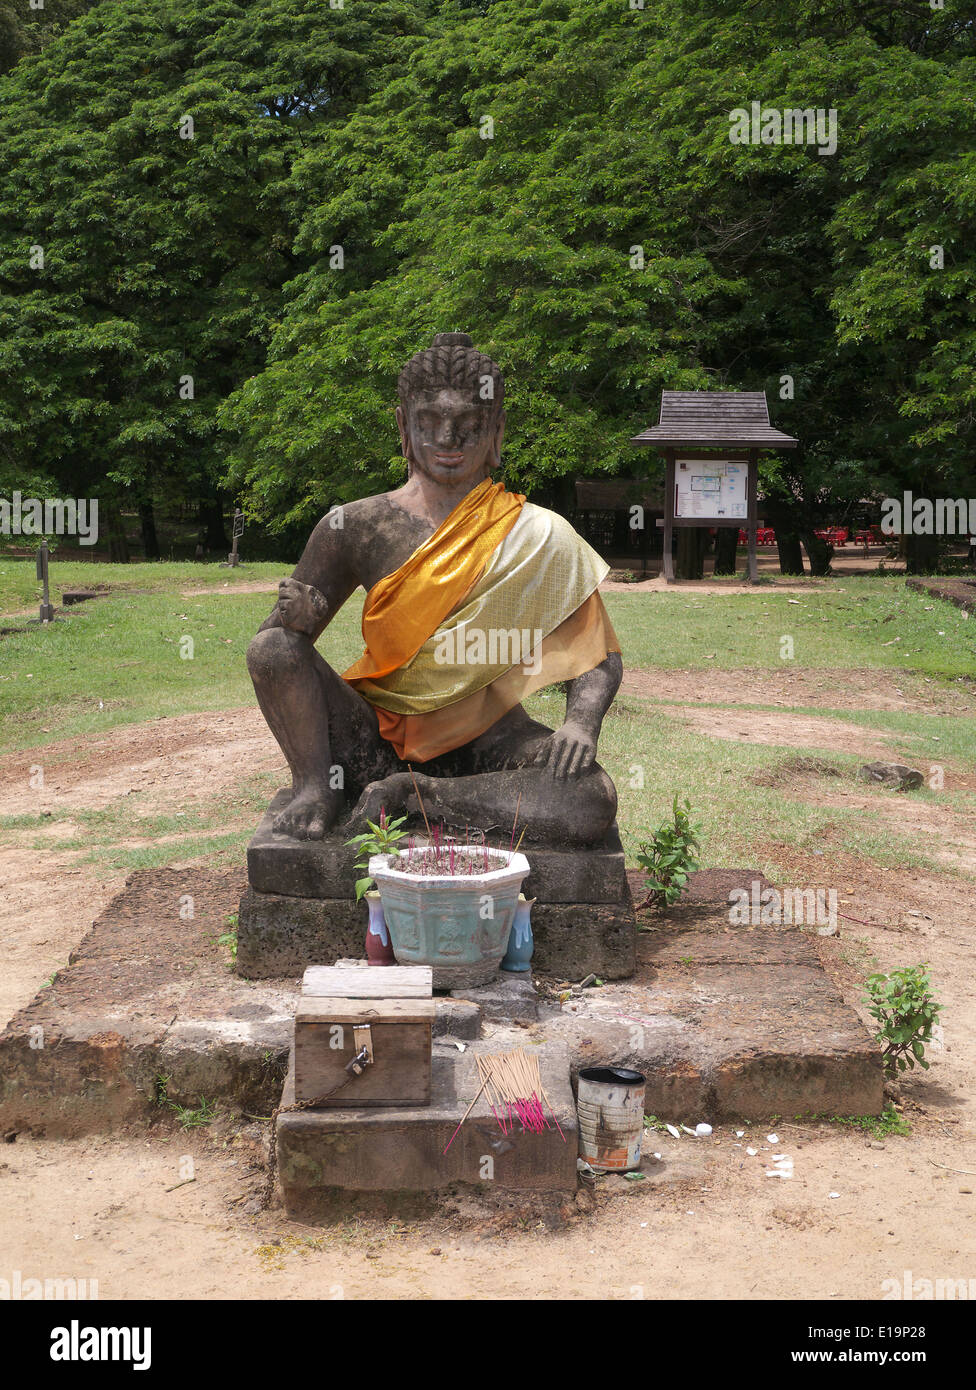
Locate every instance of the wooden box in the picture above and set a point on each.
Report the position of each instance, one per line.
(329, 1029)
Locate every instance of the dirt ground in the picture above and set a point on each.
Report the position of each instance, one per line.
(858, 1210)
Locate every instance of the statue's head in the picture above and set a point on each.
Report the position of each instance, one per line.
(450, 415)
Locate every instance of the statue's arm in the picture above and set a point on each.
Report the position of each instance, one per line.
(321, 582)
(571, 750)
(589, 696)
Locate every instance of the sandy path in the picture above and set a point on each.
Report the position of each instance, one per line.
(828, 689)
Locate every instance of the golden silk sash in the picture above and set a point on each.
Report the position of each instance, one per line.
(499, 602)
(405, 607)
(579, 644)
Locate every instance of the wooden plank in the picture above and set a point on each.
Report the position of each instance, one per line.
(317, 1009)
(369, 981)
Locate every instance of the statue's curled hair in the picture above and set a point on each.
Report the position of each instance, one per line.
(453, 360)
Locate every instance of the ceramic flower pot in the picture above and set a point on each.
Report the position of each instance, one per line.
(379, 948)
(459, 924)
(520, 942)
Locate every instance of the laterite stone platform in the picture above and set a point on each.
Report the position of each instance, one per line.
(727, 1023)
(300, 909)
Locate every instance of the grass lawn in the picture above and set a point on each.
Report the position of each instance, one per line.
(849, 622)
(118, 660)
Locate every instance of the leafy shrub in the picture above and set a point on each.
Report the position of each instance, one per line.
(670, 857)
(906, 1011)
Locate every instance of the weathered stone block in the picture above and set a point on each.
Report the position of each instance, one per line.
(573, 940)
(279, 935)
(324, 868)
(507, 997)
(399, 1150)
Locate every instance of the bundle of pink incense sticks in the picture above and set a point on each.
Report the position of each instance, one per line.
(514, 1091)
(513, 1088)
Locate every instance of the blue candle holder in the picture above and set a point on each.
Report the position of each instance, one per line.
(520, 942)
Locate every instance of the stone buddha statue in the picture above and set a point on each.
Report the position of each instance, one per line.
(475, 598)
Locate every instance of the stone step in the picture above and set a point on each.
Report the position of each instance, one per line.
(323, 1153)
(283, 935)
(730, 1024)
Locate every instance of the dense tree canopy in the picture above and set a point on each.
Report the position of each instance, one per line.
(555, 177)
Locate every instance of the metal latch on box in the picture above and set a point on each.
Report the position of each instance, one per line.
(363, 1043)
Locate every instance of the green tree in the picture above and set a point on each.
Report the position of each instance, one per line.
(610, 130)
(147, 223)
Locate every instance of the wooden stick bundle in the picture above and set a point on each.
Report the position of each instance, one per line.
(512, 1079)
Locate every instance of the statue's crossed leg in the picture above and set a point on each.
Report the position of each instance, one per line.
(312, 712)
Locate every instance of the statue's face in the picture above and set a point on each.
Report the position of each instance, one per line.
(451, 437)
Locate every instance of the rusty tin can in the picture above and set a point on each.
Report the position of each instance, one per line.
(610, 1104)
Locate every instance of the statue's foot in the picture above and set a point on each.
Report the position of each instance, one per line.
(309, 814)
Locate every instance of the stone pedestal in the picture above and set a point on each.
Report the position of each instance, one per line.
(300, 908)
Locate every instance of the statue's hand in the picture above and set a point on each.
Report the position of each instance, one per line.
(301, 607)
(568, 752)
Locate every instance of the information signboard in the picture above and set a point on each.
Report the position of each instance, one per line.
(711, 490)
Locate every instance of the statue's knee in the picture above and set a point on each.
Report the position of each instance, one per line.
(272, 653)
(602, 797)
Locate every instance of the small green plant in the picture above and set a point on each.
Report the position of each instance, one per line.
(160, 1084)
(670, 857)
(193, 1119)
(882, 1126)
(906, 1011)
(229, 937)
(380, 839)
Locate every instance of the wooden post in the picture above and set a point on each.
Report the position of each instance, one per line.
(233, 560)
(753, 511)
(668, 515)
(47, 609)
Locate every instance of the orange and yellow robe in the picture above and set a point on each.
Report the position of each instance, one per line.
(499, 579)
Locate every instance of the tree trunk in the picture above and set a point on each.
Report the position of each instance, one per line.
(790, 552)
(118, 546)
(147, 524)
(690, 560)
(820, 552)
(212, 520)
(726, 546)
(781, 514)
(921, 554)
